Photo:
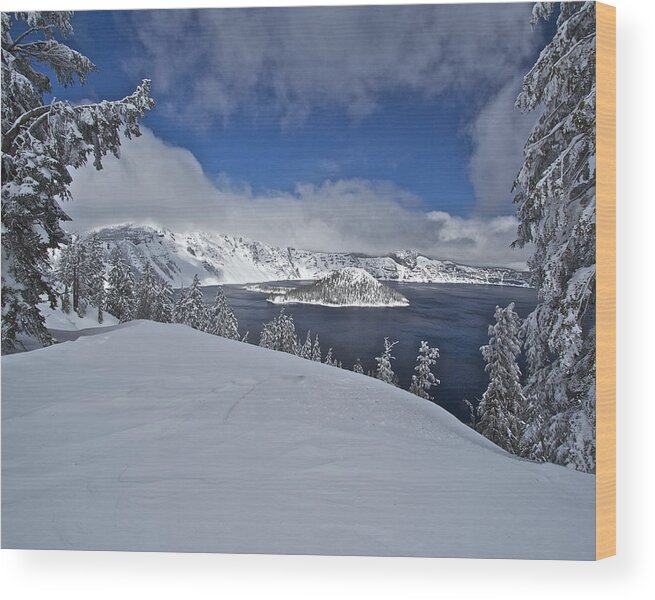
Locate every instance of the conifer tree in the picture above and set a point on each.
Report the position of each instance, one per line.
(329, 360)
(40, 143)
(120, 289)
(68, 270)
(222, 320)
(146, 294)
(556, 198)
(80, 270)
(94, 276)
(280, 334)
(502, 406)
(66, 300)
(306, 349)
(424, 380)
(357, 367)
(190, 308)
(384, 370)
(316, 351)
(163, 308)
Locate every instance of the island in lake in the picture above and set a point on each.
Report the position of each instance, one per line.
(350, 286)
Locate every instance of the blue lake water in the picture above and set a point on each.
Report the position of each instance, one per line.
(453, 317)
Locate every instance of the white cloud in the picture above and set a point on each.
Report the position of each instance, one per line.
(208, 65)
(159, 184)
(498, 133)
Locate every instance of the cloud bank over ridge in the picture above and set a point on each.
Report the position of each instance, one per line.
(156, 183)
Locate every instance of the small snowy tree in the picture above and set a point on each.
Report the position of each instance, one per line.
(40, 143)
(120, 289)
(424, 380)
(357, 367)
(306, 349)
(556, 198)
(502, 406)
(385, 371)
(221, 318)
(280, 334)
(329, 360)
(190, 309)
(316, 351)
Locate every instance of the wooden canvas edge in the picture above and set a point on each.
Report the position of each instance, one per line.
(606, 281)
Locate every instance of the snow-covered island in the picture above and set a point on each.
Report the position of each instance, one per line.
(351, 286)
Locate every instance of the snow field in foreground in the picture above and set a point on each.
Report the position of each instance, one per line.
(158, 437)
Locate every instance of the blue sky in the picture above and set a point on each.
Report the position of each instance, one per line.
(414, 103)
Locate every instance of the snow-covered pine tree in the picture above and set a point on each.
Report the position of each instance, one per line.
(146, 293)
(120, 289)
(94, 276)
(66, 300)
(556, 198)
(40, 142)
(329, 360)
(501, 410)
(221, 318)
(385, 371)
(280, 334)
(424, 380)
(80, 270)
(190, 309)
(67, 272)
(306, 349)
(288, 341)
(357, 367)
(316, 351)
(163, 308)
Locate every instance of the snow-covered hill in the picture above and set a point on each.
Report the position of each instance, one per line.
(350, 286)
(220, 258)
(159, 437)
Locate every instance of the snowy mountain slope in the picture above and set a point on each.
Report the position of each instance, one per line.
(229, 259)
(159, 437)
(350, 286)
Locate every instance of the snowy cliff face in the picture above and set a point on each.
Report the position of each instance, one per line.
(218, 258)
(351, 286)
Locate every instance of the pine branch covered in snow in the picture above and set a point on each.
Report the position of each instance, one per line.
(40, 143)
(556, 198)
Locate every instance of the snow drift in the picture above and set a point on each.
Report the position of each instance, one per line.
(148, 436)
